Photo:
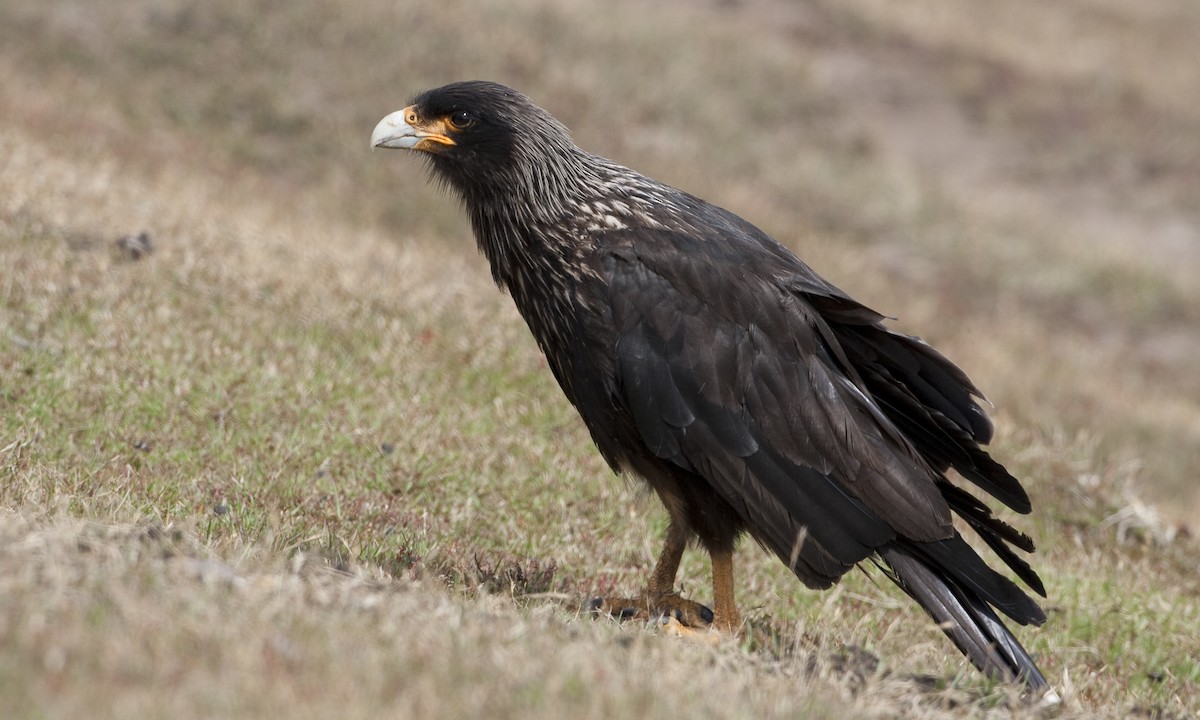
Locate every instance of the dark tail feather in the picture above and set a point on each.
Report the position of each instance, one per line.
(967, 620)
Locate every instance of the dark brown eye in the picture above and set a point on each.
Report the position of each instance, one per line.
(461, 119)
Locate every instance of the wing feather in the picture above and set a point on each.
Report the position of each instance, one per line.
(799, 452)
(827, 433)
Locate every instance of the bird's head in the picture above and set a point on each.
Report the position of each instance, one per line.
(480, 137)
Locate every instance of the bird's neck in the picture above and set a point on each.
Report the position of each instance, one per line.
(540, 252)
(522, 219)
(536, 261)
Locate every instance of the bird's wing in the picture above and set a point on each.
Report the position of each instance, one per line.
(730, 374)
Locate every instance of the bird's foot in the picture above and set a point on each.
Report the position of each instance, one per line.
(680, 616)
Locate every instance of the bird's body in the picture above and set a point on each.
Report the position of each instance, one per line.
(752, 395)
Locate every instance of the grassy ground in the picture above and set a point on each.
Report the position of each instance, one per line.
(303, 458)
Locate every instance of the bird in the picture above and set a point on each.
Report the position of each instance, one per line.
(751, 395)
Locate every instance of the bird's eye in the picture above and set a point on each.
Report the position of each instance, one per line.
(461, 120)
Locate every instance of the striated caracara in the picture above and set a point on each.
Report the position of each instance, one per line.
(751, 394)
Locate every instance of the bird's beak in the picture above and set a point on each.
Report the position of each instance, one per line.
(405, 129)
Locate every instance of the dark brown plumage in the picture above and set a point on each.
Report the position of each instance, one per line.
(752, 395)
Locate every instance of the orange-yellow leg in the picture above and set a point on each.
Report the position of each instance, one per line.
(662, 580)
(661, 601)
(726, 617)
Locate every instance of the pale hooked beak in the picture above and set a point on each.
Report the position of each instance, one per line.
(403, 129)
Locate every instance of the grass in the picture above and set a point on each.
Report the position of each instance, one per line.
(303, 458)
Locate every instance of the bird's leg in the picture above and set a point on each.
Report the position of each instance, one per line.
(660, 599)
(662, 580)
(726, 617)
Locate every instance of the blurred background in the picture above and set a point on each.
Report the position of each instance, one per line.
(1018, 182)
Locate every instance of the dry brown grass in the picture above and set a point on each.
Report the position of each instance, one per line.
(142, 621)
(302, 458)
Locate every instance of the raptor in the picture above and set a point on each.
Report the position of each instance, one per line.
(753, 396)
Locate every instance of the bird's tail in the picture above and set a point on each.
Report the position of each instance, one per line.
(967, 619)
